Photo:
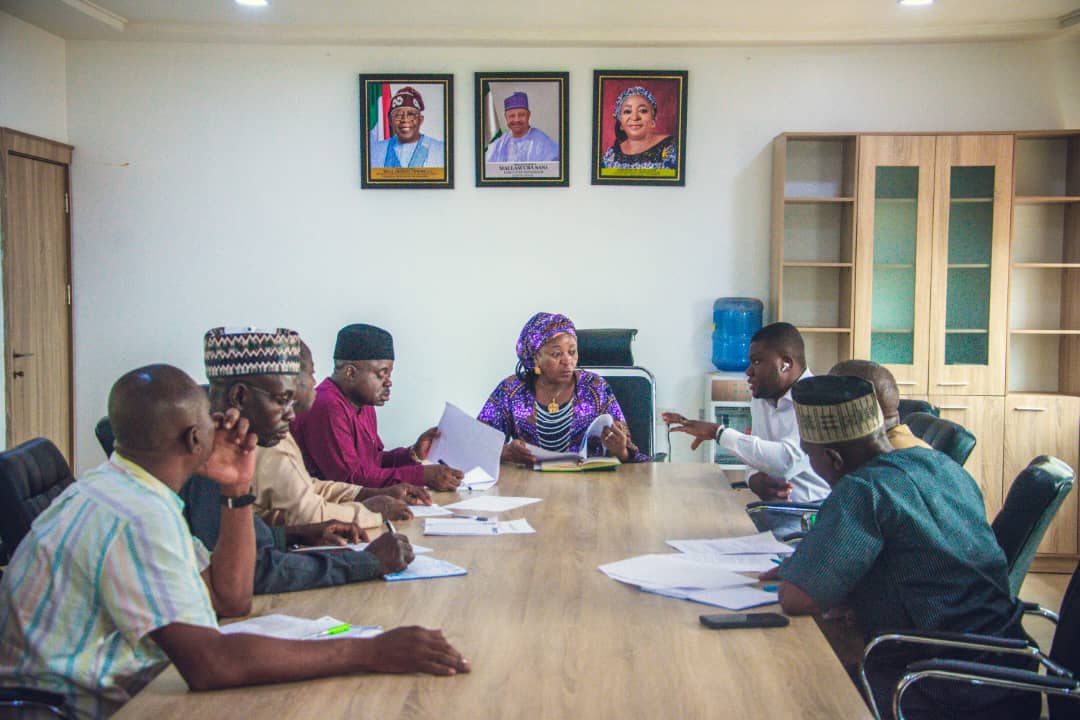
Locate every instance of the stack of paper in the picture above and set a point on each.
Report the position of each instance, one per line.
(424, 567)
(492, 503)
(476, 526)
(477, 480)
(750, 553)
(469, 445)
(432, 510)
(287, 627)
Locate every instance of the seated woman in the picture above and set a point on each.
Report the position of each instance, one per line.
(548, 402)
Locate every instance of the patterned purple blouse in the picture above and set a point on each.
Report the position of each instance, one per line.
(511, 409)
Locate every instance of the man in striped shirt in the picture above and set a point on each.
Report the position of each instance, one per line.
(108, 585)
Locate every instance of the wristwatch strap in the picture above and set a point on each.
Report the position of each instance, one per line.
(719, 432)
(237, 502)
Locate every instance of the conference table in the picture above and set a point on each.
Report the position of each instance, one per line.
(548, 634)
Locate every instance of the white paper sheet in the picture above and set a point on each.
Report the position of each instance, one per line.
(492, 503)
(520, 526)
(417, 549)
(672, 571)
(764, 543)
(460, 526)
(288, 627)
(466, 443)
(424, 568)
(476, 480)
(432, 510)
(736, 563)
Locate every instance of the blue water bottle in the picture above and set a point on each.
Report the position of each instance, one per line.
(735, 320)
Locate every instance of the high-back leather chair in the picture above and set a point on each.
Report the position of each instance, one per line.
(607, 353)
(1029, 508)
(949, 437)
(907, 406)
(104, 433)
(31, 476)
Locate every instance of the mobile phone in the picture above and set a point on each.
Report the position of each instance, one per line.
(744, 620)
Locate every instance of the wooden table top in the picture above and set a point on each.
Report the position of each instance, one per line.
(549, 635)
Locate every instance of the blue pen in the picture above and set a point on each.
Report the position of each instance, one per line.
(775, 560)
(771, 588)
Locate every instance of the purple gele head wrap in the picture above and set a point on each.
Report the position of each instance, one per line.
(636, 90)
(541, 327)
(516, 100)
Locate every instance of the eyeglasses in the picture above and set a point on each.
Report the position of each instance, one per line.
(286, 401)
(405, 115)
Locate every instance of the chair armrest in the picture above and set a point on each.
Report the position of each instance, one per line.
(993, 672)
(24, 697)
(739, 485)
(1031, 608)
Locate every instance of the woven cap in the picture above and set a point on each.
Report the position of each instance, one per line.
(836, 408)
(235, 352)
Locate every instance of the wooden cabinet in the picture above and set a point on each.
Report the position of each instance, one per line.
(1045, 425)
(954, 260)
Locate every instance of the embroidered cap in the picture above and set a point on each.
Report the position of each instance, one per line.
(406, 97)
(234, 352)
(363, 342)
(835, 408)
(516, 100)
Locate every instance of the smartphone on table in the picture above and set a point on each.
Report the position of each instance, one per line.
(744, 620)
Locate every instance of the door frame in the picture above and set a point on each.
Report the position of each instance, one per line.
(33, 147)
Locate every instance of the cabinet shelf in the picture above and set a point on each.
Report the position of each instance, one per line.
(1045, 265)
(966, 331)
(814, 264)
(1035, 331)
(806, 199)
(968, 266)
(968, 201)
(893, 331)
(1045, 199)
(894, 266)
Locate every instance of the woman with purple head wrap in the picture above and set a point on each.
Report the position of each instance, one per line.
(637, 143)
(549, 402)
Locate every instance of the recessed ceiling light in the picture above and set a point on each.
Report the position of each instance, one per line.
(253, 3)
(916, 2)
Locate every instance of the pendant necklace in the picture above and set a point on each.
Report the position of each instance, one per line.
(553, 406)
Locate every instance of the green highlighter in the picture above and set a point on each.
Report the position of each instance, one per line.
(336, 630)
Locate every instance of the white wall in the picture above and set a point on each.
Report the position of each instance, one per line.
(33, 99)
(219, 185)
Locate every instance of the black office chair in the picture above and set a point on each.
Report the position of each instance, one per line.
(28, 702)
(104, 433)
(31, 476)
(906, 407)
(607, 353)
(1029, 508)
(1059, 683)
(944, 435)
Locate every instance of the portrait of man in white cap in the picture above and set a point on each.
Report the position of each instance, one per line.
(408, 147)
(523, 143)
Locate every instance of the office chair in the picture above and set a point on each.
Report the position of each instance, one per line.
(33, 702)
(1029, 508)
(104, 433)
(942, 435)
(607, 353)
(1059, 683)
(906, 407)
(31, 476)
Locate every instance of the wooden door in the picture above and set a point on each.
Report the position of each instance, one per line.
(970, 265)
(1045, 425)
(37, 290)
(892, 256)
(983, 416)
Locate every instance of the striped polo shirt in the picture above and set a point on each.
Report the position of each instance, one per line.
(108, 562)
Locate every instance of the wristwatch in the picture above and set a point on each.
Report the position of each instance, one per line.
(237, 502)
(719, 432)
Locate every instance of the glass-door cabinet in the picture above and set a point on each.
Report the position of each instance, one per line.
(970, 264)
(893, 256)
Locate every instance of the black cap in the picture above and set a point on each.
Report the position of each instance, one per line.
(363, 342)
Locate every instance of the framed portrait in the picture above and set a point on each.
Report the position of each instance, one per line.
(639, 127)
(521, 129)
(406, 131)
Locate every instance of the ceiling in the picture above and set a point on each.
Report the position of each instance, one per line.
(552, 22)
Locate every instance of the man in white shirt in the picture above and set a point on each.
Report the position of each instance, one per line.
(777, 361)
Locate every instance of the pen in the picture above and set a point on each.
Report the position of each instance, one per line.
(771, 588)
(467, 487)
(336, 630)
(389, 526)
(775, 560)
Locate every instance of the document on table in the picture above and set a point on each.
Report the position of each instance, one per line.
(736, 563)
(358, 547)
(432, 510)
(764, 543)
(425, 567)
(730, 598)
(287, 627)
(466, 443)
(477, 526)
(596, 427)
(492, 503)
(672, 571)
(476, 479)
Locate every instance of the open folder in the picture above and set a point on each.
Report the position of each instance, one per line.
(579, 460)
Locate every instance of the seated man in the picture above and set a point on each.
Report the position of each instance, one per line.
(266, 401)
(339, 436)
(888, 397)
(108, 586)
(285, 494)
(777, 361)
(903, 538)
